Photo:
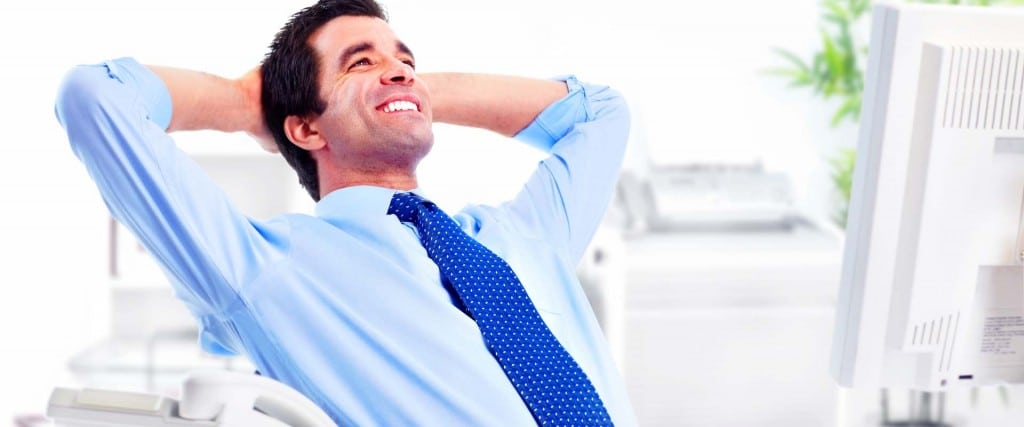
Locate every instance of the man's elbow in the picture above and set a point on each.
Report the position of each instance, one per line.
(611, 106)
(82, 95)
(610, 102)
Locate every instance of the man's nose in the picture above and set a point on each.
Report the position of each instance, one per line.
(398, 72)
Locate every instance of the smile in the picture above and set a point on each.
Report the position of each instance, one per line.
(400, 106)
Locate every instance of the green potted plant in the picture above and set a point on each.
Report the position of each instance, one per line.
(835, 71)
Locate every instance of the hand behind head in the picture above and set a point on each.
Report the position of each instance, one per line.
(250, 83)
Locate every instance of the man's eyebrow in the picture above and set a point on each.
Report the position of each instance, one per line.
(353, 50)
(404, 49)
(358, 48)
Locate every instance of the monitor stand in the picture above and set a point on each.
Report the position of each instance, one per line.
(921, 414)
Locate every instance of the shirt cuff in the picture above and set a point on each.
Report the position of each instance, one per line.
(153, 94)
(558, 118)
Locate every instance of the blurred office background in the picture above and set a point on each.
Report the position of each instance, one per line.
(715, 274)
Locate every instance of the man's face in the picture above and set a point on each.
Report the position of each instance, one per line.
(378, 113)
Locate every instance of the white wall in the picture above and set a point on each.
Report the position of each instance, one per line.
(692, 77)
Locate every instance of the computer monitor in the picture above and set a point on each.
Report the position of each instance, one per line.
(932, 284)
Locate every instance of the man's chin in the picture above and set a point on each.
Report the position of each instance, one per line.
(419, 145)
(407, 154)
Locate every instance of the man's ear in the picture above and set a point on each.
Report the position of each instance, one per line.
(304, 132)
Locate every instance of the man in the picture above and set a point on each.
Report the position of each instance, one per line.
(376, 316)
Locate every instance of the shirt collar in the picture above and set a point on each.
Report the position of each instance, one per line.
(361, 201)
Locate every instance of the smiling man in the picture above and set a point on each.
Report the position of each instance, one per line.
(381, 308)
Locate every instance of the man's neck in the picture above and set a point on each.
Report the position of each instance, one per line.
(395, 181)
(337, 173)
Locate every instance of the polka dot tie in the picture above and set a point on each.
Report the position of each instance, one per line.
(553, 386)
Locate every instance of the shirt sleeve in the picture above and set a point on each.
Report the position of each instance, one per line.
(115, 115)
(566, 197)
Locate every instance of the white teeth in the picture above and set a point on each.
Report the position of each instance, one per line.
(400, 106)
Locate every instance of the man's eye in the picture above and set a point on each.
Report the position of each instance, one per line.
(359, 63)
(410, 63)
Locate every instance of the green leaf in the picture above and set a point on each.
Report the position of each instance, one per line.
(842, 166)
(859, 7)
(833, 57)
(796, 77)
(832, 19)
(833, 9)
(793, 59)
(850, 108)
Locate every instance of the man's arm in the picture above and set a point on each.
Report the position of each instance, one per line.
(584, 127)
(203, 101)
(115, 115)
(503, 104)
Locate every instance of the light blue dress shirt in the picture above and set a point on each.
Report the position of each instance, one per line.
(345, 306)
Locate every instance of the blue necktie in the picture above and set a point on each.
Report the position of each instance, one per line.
(547, 378)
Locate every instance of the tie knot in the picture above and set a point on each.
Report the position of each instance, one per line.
(406, 206)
